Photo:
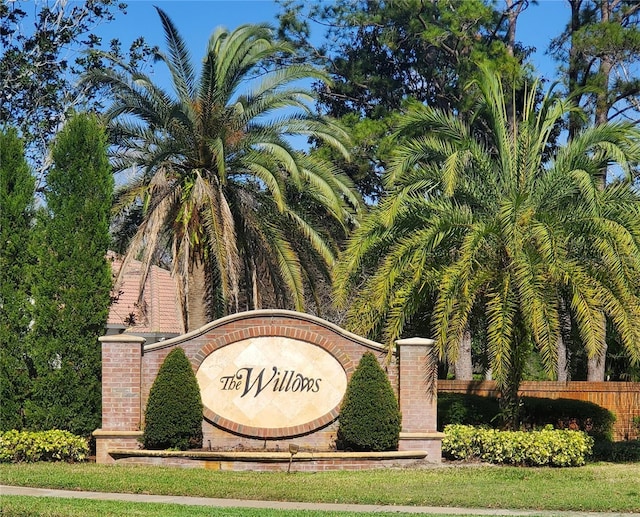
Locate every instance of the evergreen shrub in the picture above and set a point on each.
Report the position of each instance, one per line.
(462, 408)
(17, 186)
(370, 417)
(577, 415)
(53, 445)
(535, 413)
(173, 417)
(70, 282)
(627, 451)
(546, 447)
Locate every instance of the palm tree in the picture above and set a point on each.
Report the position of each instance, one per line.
(479, 222)
(218, 186)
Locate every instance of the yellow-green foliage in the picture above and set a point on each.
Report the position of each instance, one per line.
(54, 445)
(552, 447)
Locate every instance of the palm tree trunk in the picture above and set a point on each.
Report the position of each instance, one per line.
(510, 387)
(563, 370)
(197, 310)
(596, 367)
(510, 401)
(254, 287)
(464, 364)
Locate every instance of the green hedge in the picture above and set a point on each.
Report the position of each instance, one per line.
(547, 447)
(535, 413)
(577, 415)
(462, 408)
(54, 445)
(173, 418)
(369, 417)
(617, 452)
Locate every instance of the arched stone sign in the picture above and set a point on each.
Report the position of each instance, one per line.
(267, 378)
(271, 386)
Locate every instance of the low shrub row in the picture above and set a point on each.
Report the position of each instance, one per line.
(547, 447)
(617, 452)
(535, 413)
(54, 445)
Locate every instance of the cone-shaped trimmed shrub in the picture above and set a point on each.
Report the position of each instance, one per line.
(173, 418)
(370, 417)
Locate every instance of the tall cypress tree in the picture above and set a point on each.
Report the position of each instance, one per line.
(16, 211)
(72, 280)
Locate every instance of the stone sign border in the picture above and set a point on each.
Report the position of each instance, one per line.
(276, 330)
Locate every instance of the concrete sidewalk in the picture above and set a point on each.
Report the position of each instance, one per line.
(281, 505)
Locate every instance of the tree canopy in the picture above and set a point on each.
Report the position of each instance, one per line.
(480, 219)
(71, 282)
(220, 187)
(45, 46)
(379, 55)
(599, 52)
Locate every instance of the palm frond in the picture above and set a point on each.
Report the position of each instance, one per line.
(179, 61)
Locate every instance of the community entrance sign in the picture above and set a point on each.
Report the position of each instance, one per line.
(271, 382)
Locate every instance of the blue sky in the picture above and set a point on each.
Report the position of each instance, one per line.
(197, 19)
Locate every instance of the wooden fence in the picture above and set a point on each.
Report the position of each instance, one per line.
(621, 398)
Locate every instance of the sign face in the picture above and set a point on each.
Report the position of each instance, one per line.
(271, 382)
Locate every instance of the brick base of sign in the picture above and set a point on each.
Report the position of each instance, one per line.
(303, 461)
(431, 443)
(219, 439)
(108, 440)
(129, 368)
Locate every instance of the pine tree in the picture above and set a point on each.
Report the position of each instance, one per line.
(16, 212)
(72, 281)
(600, 49)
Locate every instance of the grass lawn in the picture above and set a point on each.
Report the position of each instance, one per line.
(54, 507)
(595, 487)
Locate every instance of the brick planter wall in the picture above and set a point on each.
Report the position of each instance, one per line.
(272, 462)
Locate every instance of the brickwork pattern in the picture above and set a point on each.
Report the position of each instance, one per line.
(106, 442)
(121, 382)
(129, 374)
(418, 406)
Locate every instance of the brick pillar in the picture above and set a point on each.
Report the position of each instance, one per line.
(418, 399)
(121, 401)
